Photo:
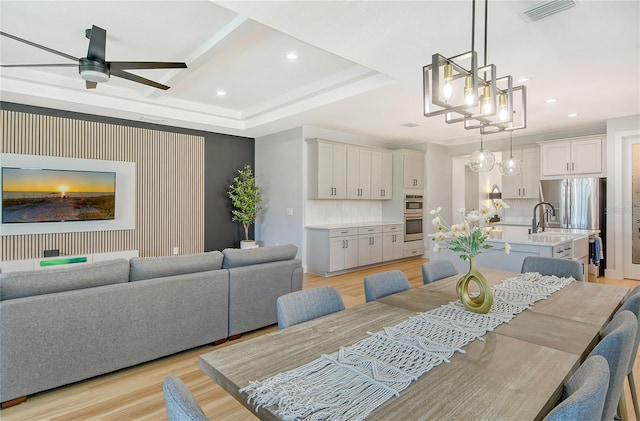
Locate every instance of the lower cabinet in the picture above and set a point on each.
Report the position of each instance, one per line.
(413, 248)
(334, 250)
(343, 253)
(369, 245)
(392, 242)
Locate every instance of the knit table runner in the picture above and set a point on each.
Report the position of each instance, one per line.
(352, 382)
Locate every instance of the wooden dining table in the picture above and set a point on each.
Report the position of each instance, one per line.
(516, 373)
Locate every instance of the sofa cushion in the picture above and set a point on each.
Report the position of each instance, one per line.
(47, 281)
(238, 257)
(160, 267)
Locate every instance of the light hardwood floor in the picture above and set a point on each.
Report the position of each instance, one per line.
(136, 393)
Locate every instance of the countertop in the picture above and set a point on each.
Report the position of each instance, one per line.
(520, 235)
(353, 225)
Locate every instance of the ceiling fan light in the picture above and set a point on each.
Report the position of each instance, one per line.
(94, 76)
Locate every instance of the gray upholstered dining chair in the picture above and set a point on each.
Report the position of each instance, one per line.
(437, 269)
(553, 266)
(632, 303)
(615, 346)
(386, 283)
(180, 403)
(300, 306)
(584, 395)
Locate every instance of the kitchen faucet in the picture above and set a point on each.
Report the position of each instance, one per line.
(534, 221)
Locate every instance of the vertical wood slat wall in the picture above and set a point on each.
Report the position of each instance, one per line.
(169, 184)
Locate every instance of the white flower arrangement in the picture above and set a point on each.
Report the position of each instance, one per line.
(467, 238)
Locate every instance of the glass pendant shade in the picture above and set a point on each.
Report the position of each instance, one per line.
(481, 160)
(511, 166)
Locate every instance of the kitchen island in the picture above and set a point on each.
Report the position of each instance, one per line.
(565, 245)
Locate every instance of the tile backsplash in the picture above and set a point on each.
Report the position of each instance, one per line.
(320, 212)
(519, 212)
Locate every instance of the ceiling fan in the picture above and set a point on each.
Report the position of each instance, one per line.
(94, 68)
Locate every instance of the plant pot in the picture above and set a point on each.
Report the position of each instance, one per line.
(478, 304)
(247, 244)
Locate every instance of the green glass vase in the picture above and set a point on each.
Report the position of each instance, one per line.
(482, 302)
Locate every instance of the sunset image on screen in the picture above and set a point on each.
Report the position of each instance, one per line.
(32, 195)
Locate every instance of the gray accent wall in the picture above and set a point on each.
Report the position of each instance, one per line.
(224, 155)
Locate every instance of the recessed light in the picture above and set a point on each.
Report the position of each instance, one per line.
(523, 79)
(221, 93)
(551, 100)
(572, 115)
(292, 56)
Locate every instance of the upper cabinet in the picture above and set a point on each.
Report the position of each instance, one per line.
(381, 175)
(413, 169)
(358, 173)
(327, 170)
(341, 171)
(572, 157)
(525, 184)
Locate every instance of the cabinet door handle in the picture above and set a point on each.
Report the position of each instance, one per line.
(523, 191)
(346, 244)
(573, 166)
(567, 166)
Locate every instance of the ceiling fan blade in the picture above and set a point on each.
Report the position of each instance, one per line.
(91, 85)
(129, 65)
(38, 65)
(97, 44)
(136, 78)
(42, 47)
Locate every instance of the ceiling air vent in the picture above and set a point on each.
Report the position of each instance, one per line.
(547, 8)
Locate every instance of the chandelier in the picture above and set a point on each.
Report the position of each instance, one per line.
(475, 96)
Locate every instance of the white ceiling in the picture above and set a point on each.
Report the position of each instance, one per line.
(359, 68)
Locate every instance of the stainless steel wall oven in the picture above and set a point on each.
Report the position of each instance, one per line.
(413, 217)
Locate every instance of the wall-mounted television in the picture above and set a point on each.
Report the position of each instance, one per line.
(49, 194)
(53, 195)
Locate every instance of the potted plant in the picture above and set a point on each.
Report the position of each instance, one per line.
(245, 197)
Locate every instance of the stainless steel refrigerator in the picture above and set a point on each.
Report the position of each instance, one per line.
(580, 203)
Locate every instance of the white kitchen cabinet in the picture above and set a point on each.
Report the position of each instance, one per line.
(413, 169)
(571, 157)
(525, 184)
(381, 175)
(369, 245)
(413, 248)
(341, 171)
(358, 173)
(327, 162)
(343, 253)
(392, 242)
(332, 250)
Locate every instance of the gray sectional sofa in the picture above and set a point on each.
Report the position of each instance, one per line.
(59, 326)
